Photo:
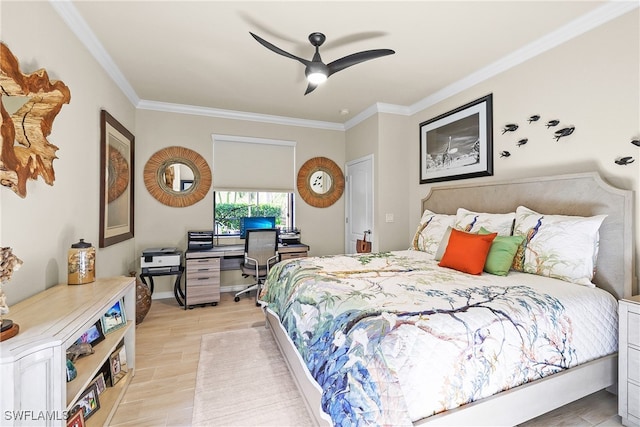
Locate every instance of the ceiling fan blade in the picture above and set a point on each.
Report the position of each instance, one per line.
(310, 88)
(356, 58)
(277, 50)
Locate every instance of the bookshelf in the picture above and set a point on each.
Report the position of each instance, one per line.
(34, 390)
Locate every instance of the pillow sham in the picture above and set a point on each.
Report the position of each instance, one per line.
(501, 254)
(443, 244)
(471, 222)
(560, 246)
(467, 252)
(430, 231)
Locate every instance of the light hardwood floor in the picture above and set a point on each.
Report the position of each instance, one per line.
(168, 347)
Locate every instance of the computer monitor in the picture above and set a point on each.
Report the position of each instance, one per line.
(251, 222)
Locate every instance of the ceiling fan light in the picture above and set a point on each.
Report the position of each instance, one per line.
(316, 77)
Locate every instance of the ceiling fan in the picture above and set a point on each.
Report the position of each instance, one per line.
(316, 70)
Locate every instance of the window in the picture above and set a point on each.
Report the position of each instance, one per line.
(230, 206)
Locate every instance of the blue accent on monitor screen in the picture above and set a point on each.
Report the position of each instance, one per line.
(251, 222)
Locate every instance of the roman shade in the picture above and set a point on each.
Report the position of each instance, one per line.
(246, 163)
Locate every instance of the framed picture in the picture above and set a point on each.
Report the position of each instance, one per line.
(93, 335)
(76, 419)
(458, 144)
(118, 363)
(116, 181)
(115, 318)
(185, 184)
(105, 371)
(99, 382)
(89, 402)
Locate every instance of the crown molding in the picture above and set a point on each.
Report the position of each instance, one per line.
(81, 29)
(578, 26)
(236, 115)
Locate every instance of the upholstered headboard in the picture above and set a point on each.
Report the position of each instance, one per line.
(576, 194)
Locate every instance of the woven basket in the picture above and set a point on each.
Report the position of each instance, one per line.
(143, 299)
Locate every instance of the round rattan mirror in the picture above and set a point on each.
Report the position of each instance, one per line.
(320, 182)
(177, 176)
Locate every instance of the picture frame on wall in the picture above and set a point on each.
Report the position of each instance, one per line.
(116, 181)
(458, 144)
(185, 184)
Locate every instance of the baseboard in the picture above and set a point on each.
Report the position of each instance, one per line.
(162, 295)
(229, 288)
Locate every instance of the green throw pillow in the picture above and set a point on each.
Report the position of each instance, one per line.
(501, 254)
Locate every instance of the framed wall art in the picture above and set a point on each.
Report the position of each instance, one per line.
(458, 144)
(116, 181)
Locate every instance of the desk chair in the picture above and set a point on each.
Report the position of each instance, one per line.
(260, 254)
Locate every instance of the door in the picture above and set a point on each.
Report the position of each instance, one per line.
(358, 201)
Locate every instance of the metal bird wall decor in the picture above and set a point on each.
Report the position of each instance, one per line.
(534, 118)
(522, 142)
(511, 127)
(552, 123)
(636, 142)
(505, 154)
(563, 132)
(623, 161)
(316, 67)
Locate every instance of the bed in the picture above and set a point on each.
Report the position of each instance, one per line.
(394, 338)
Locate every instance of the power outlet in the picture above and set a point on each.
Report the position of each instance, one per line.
(389, 217)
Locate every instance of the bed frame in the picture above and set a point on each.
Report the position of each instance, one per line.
(583, 194)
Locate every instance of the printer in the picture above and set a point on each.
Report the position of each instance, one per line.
(160, 260)
(289, 236)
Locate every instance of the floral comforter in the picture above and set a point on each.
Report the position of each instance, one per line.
(392, 338)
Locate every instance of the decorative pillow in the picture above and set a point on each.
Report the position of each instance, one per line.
(430, 231)
(496, 223)
(501, 254)
(560, 246)
(467, 252)
(443, 244)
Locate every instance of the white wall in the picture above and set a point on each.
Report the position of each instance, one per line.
(41, 227)
(591, 82)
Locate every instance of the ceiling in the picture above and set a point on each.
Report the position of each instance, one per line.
(199, 55)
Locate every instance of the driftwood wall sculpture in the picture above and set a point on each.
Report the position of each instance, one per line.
(25, 152)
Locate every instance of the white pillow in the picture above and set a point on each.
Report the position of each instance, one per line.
(496, 223)
(560, 246)
(430, 231)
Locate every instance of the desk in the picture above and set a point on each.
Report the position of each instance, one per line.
(202, 281)
(286, 251)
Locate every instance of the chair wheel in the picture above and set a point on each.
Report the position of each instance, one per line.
(236, 299)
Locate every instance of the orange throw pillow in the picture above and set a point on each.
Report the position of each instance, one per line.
(467, 252)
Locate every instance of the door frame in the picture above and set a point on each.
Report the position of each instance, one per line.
(347, 194)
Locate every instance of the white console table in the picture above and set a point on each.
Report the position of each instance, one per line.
(33, 386)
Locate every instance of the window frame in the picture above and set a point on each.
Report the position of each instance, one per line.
(289, 211)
